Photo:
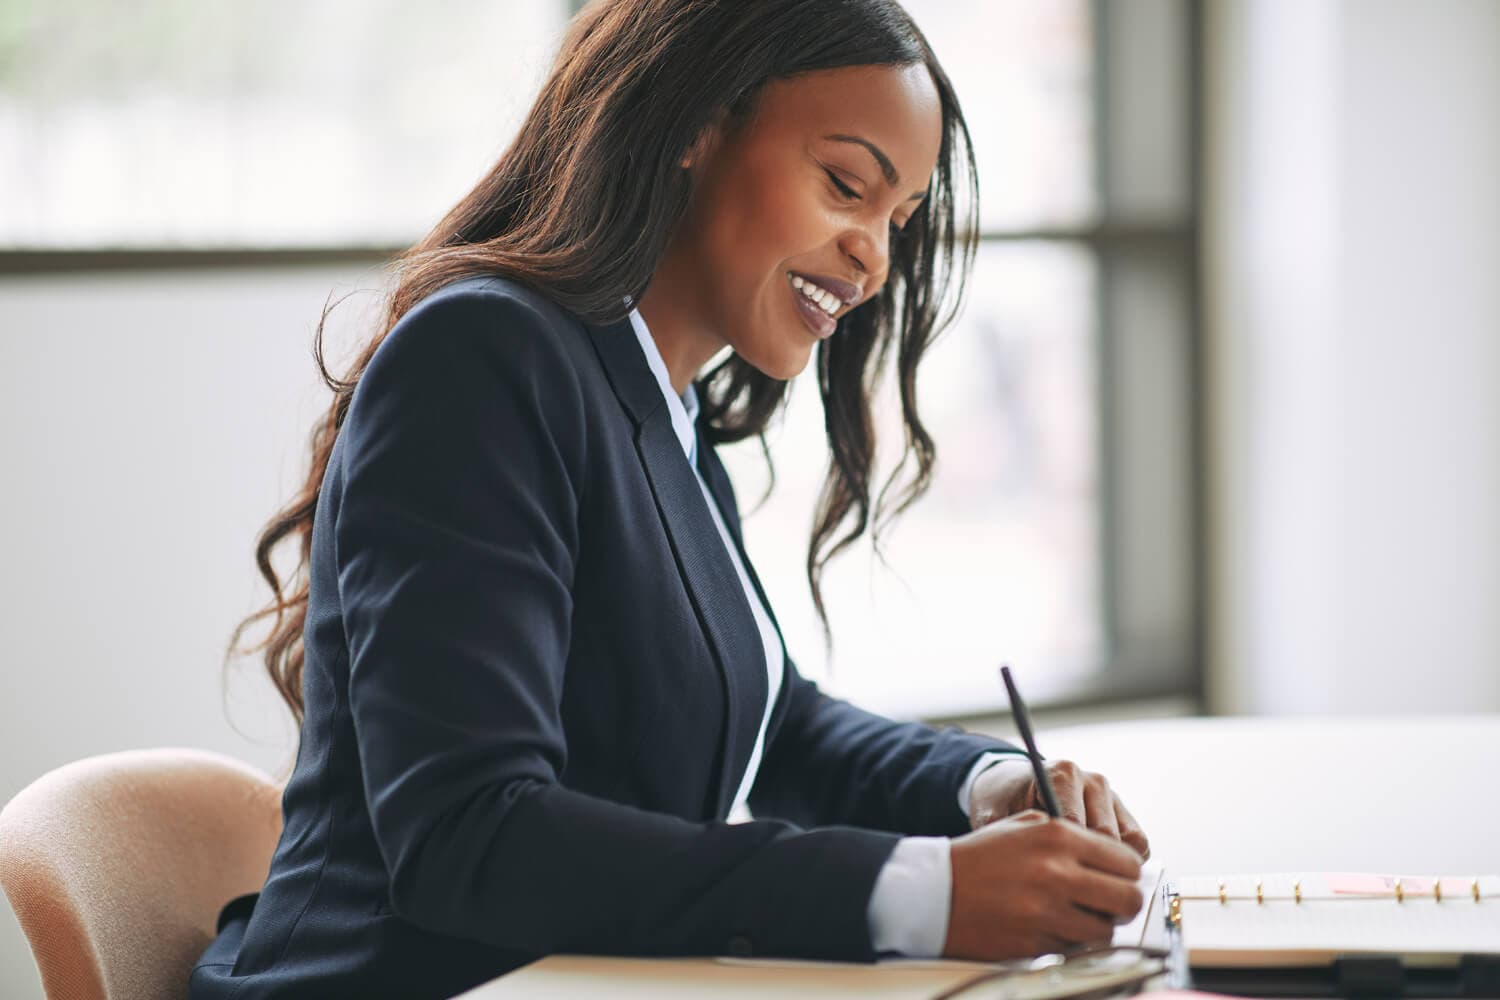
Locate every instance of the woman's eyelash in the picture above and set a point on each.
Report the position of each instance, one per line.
(844, 189)
(849, 192)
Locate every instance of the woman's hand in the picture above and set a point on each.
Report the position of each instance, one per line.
(1008, 787)
(1026, 885)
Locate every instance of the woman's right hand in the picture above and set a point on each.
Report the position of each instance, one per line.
(1027, 885)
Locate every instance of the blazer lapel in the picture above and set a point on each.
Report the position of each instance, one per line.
(707, 572)
(718, 483)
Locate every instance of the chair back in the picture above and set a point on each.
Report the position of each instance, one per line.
(117, 866)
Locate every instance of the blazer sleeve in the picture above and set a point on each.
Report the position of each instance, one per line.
(832, 762)
(464, 462)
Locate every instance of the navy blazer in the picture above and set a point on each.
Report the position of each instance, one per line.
(532, 683)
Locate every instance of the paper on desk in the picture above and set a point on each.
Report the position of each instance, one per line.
(1134, 932)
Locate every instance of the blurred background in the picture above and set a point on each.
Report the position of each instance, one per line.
(1216, 428)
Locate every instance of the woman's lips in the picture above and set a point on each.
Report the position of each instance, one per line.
(819, 322)
(846, 292)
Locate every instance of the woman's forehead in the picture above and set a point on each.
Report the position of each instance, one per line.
(895, 108)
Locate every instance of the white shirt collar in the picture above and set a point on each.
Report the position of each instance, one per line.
(684, 408)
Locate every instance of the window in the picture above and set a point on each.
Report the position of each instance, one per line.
(176, 123)
(1060, 531)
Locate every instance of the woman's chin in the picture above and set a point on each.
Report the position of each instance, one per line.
(794, 363)
(785, 362)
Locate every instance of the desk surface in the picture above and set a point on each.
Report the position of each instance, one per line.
(1402, 795)
(564, 977)
(1415, 794)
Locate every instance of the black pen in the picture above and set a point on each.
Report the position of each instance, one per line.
(1023, 723)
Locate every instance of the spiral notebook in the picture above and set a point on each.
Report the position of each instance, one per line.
(1313, 918)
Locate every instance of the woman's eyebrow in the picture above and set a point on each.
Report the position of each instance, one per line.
(892, 177)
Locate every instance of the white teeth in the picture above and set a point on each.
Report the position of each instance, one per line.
(822, 297)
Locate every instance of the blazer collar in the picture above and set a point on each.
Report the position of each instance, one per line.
(683, 409)
(707, 572)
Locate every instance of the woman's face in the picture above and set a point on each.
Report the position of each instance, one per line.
(814, 186)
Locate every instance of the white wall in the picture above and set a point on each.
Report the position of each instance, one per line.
(151, 425)
(1353, 272)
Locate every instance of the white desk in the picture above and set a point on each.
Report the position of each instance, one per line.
(1256, 794)
(1412, 795)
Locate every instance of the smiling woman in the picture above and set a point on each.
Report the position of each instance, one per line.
(533, 664)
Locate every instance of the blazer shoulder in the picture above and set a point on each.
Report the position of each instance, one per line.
(501, 303)
(490, 321)
(477, 364)
(497, 288)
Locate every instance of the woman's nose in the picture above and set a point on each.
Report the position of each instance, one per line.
(870, 252)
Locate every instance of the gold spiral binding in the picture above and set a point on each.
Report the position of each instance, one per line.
(1398, 888)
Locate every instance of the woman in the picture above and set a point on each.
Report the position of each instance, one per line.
(532, 662)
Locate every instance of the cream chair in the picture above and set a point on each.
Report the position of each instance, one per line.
(117, 866)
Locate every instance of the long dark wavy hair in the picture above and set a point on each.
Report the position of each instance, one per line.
(583, 202)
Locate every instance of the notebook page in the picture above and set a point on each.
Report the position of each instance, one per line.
(1331, 919)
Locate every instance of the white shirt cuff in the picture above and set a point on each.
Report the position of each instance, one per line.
(908, 909)
(990, 757)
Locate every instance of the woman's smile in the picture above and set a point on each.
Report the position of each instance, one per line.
(815, 305)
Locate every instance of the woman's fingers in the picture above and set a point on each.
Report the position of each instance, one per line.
(1078, 925)
(1087, 799)
(1100, 799)
(1021, 881)
(1067, 786)
(1109, 856)
(1109, 897)
(1130, 831)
